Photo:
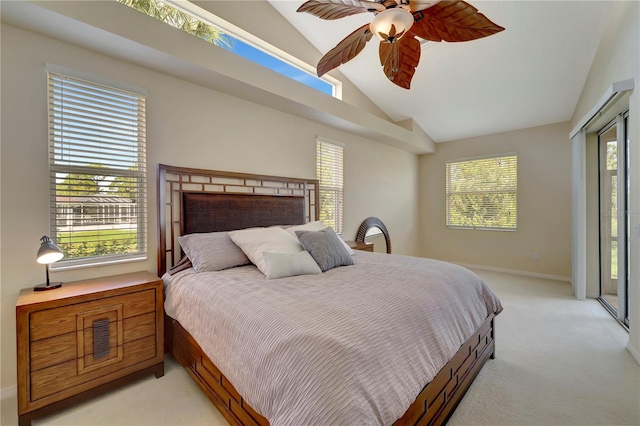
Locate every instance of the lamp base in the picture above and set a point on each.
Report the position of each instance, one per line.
(43, 287)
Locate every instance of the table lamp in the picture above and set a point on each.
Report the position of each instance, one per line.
(48, 253)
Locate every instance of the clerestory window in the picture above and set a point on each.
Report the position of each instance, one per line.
(203, 24)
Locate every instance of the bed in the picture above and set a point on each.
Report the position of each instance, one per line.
(195, 201)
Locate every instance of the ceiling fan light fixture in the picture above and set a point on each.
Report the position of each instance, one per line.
(400, 25)
(391, 24)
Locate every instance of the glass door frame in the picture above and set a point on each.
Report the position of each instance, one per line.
(627, 222)
(622, 216)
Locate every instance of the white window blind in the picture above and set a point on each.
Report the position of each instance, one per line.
(329, 171)
(482, 193)
(97, 161)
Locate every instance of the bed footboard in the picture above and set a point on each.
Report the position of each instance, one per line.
(440, 397)
(433, 406)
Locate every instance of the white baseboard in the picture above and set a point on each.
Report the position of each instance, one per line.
(634, 353)
(8, 392)
(515, 272)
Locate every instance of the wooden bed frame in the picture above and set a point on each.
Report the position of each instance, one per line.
(243, 200)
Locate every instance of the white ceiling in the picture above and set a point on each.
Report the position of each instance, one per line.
(531, 74)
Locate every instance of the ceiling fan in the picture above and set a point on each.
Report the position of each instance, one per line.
(398, 23)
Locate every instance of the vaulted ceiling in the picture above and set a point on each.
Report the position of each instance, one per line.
(531, 74)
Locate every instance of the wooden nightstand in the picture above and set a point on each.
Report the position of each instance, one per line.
(360, 245)
(86, 338)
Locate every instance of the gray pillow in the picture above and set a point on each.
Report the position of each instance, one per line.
(213, 251)
(325, 247)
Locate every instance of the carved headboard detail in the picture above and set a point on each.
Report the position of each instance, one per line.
(197, 200)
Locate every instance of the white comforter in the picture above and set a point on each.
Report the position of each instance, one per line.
(352, 346)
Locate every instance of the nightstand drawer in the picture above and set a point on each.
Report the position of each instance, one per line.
(57, 349)
(53, 322)
(60, 377)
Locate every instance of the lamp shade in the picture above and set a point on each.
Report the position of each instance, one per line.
(48, 252)
(391, 24)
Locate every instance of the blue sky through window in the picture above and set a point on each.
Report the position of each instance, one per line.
(266, 60)
(189, 13)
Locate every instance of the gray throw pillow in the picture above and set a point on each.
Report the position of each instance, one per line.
(325, 247)
(213, 251)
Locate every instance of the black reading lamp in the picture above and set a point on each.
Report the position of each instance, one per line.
(48, 253)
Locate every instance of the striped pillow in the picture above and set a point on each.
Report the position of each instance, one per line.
(213, 251)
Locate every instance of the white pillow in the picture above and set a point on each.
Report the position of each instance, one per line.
(255, 242)
(280, 265)
(316, 226)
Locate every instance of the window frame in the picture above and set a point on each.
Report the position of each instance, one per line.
(138, 157)
(337, 190)
(232, 31)
(448, 193)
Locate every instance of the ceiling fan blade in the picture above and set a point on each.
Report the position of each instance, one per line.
(453, 20)
(416, 5)
(400, 59)
(336, 9)
(345, 51)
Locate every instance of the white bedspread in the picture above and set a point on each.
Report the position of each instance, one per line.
(352, 346)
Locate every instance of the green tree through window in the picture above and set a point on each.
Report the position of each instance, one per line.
(178, 19)
(97, 159)
(482, 193)
(329, 156)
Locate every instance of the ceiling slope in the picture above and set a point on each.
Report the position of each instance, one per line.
(529, 75)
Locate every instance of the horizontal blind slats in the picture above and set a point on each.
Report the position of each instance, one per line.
(96, 89)
(94, 128)
(102, 111)
(330, 176)
(97, 160)
(482, 193)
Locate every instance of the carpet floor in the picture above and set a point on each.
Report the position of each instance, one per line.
(559, 361)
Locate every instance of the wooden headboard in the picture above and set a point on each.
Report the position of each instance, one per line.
(197, 200)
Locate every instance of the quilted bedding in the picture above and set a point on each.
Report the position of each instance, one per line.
(353, 345)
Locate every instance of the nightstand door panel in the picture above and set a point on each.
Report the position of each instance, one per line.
(101, 345)
(100, 338)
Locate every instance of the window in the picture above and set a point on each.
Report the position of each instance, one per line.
(97, 171)
(482, 193)
(201, 23)
(329, 170)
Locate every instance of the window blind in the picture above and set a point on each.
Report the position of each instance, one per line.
(482, 193)
(330, 175)
(97, 162)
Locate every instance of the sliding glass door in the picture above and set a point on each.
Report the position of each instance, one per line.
(614, 218)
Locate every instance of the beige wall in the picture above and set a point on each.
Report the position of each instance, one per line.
(614, 60)
(544, 204)
(188, 125)
(266, 23)
(617, 59)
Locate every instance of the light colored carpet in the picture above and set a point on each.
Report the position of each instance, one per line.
(558, 361)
